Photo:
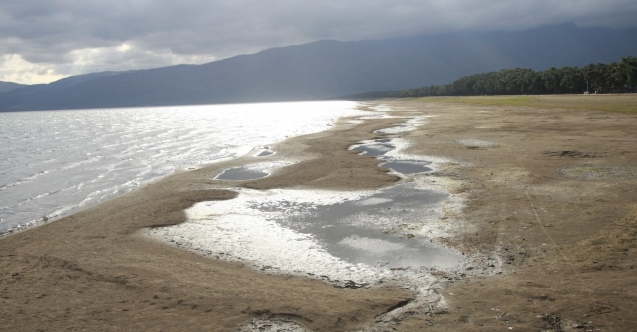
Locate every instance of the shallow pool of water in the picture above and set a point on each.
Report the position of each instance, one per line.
(265, 153)
(376, 149)
(241, 174)
(407, 166)
(373, 230)
(358, 236)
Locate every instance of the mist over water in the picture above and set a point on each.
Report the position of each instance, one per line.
(54, 163)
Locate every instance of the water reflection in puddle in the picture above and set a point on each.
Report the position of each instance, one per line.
(241, 174)
(375, 149)
(381, 147)
(266, 152)
(331, 235)
(373, 230)
(407, 166)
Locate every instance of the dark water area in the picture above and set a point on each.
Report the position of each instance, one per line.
(241, 174)
(407, 166)
(380, 147)
(265, 153)
(375, 230)
(377, 149)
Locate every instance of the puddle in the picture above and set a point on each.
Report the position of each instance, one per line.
(241, 174)
(376, 149)
(334, 236)
(250, 172)
(375, 230)
(407, 166)
(266, 152)
(383, 140)
(386, 149)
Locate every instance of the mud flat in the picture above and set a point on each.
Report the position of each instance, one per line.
(550, 193)
(529, 212)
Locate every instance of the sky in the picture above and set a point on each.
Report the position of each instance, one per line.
(45, 40)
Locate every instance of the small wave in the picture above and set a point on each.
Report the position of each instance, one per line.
(23, 180)
(79, 163)
(41, 173)
(36, 197)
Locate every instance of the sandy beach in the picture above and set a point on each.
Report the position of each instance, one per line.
(548, 225)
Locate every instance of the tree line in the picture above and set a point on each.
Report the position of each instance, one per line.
(617, 77)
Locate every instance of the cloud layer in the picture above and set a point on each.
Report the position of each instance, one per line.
(44, 40)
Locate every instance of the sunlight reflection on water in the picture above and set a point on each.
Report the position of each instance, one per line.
(53, 163)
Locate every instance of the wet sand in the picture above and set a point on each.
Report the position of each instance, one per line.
(550, 204)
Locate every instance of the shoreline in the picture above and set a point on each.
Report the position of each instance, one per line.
(93, 258)
(59, 182)
(551, 251)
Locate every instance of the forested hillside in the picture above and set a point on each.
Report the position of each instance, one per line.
(616, 77)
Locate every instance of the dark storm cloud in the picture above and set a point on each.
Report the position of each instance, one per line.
(71, 37)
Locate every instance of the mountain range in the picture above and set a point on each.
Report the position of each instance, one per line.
(325, 69)
(8, 86)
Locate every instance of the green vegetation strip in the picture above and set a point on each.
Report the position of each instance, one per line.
(605, 103)
(489, 101)
(614, 78)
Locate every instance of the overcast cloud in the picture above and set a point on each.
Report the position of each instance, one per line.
(45, 40)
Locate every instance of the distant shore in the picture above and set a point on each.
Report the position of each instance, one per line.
(549, 203)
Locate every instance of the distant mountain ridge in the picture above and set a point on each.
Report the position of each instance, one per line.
(328, 68)
(8, 86)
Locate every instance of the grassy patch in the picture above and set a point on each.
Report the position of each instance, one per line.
(489, 101)
(606, 103)
(599, 172)
(620, 239)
